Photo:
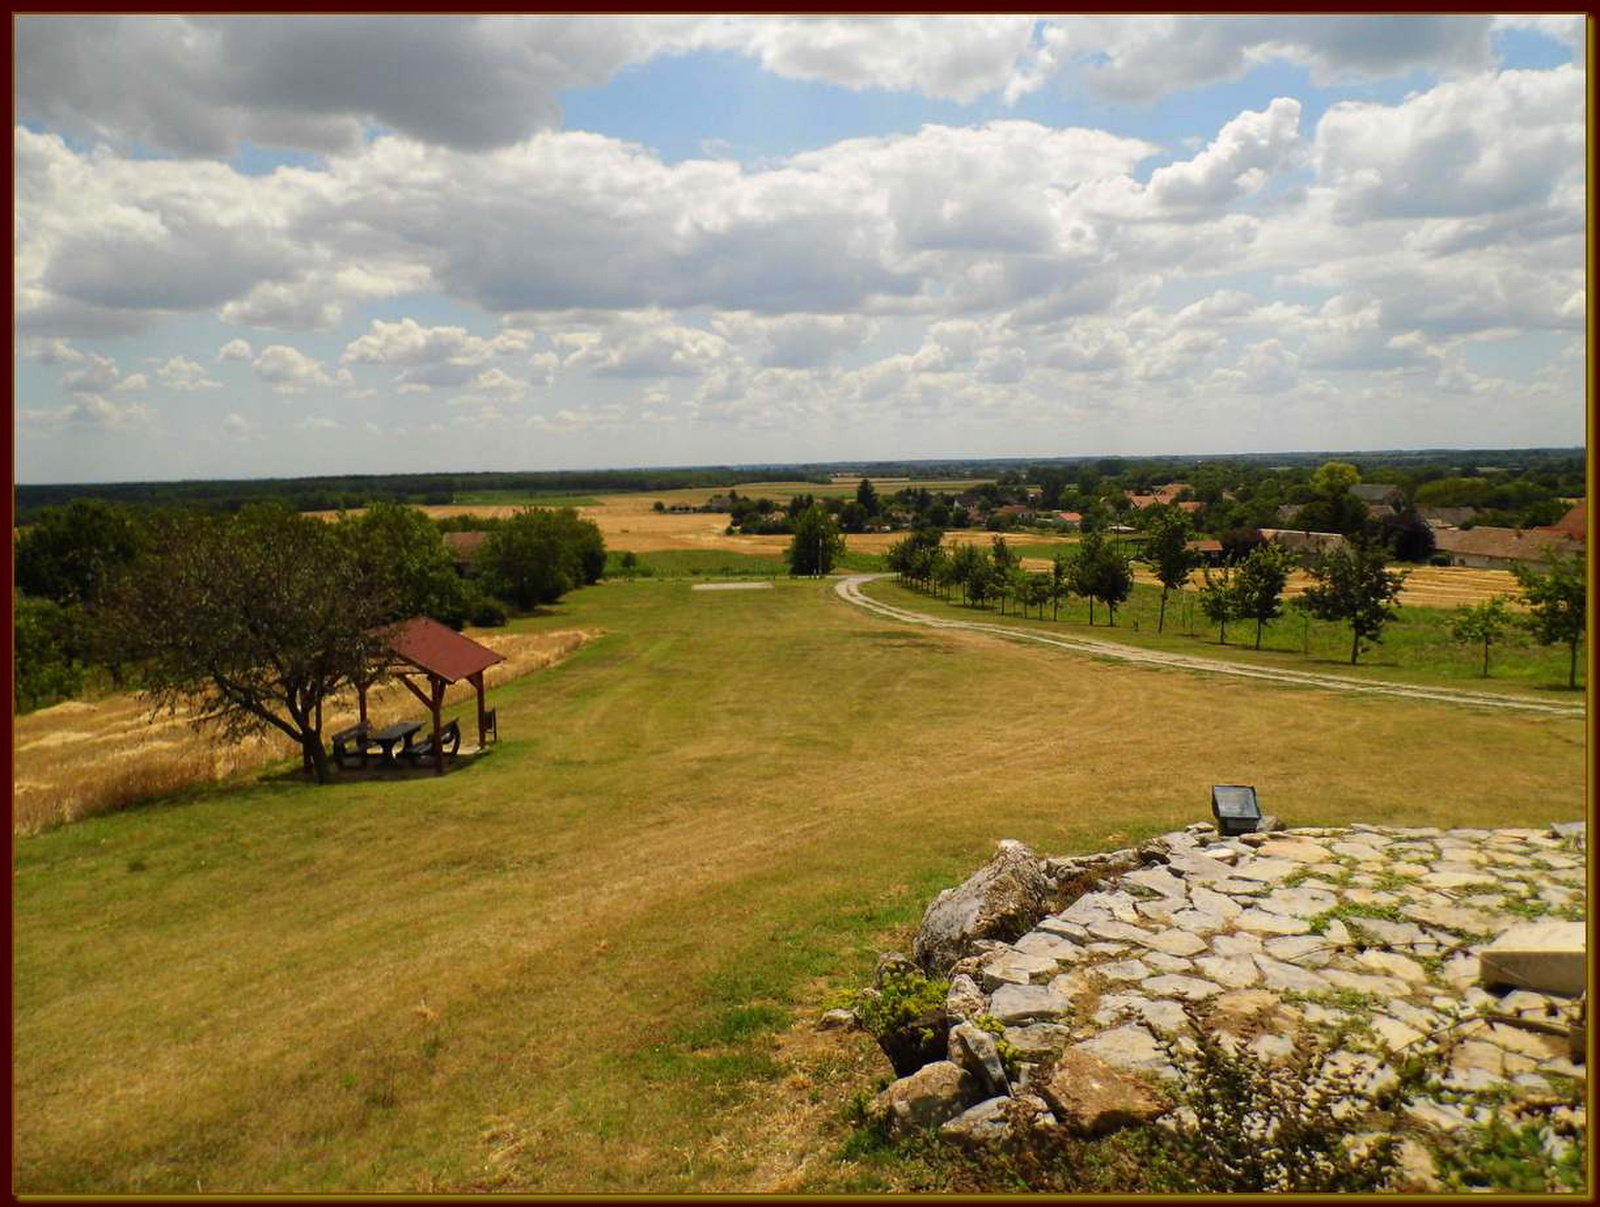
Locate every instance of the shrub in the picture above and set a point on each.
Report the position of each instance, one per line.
(901, 998)
(488, 612)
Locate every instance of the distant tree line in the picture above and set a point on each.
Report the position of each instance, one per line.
(347, 492)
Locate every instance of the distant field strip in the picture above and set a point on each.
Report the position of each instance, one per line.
(849, 589)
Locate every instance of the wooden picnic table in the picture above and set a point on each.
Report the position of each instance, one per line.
(400, 734)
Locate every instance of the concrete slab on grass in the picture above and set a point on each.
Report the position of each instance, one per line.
(1546, 956)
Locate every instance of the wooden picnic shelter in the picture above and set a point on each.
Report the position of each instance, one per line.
(423, 648)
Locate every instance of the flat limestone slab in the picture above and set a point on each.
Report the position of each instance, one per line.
(1546, 956)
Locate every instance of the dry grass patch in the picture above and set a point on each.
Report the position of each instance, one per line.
(83, 758)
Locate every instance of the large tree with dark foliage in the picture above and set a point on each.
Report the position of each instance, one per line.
(538, 555)
(250, 622)
(817, 544)
(402, 552)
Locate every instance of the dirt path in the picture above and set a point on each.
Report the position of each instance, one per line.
(849, 590)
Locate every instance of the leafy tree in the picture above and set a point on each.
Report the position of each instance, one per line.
(403, 554)
(982, 578)
(852, 517)
(1060, 581)
(1219, 600)
(1483, 622)
(529, 560)
(77, 554)
(1335, 478)
(1354, 585)
(966, 564)
(629, 563)
(40, 668)
(817, 544)
(1004, 559)
(867, 498)
(251, 622)
(946, 573)
(1101, 572)
(1038, 591)
(1168, 553)
(1556, 600)
(1408, 536)
(1016, 585)
(1258, 586)
(587, 545)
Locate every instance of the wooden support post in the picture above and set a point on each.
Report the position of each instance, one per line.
(361, 696)
(438, 736)
(477, 682)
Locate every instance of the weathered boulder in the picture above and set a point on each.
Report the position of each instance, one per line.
(837, 1020)
(1088, 1096)
(965, 999)
(981, 1126)
(1002, 900)
(975, 1050)
(933, 1095)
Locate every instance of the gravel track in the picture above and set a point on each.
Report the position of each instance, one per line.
(849, 590)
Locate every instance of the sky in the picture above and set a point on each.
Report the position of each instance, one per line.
(284, 246)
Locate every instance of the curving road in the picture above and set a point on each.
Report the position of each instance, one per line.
(849, 590)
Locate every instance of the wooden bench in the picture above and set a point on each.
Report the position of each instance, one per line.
(352, 741)
(449, 738)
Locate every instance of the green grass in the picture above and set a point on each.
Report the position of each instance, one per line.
(716, 563)
(1416, 646)
(571, 965)
(697, 563)
(520, 498)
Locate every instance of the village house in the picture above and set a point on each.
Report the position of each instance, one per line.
(1447, 517)
(1378, 493)
(1308, 544)
(1502, 548)
(1161, 495)
(1574, 525)
(1208, 549)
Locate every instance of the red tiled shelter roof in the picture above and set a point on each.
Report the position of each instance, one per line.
(440, 650)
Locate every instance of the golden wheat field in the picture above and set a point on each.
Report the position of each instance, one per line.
(84, 757)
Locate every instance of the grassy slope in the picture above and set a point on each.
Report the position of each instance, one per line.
(1416, 648)
(564, 967)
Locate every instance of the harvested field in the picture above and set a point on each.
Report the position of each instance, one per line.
(81, 758)
(630, 521)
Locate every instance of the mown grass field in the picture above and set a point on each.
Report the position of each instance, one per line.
(584, 961)
(521, 498)
(1416, 647)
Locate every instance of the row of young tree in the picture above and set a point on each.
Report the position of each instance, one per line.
(1351, 585)
(249, 617)
(1096, 569)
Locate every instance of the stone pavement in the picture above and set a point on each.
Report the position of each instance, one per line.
(1370, 935)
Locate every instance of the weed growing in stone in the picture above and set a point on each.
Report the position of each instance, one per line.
(1350, 912)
